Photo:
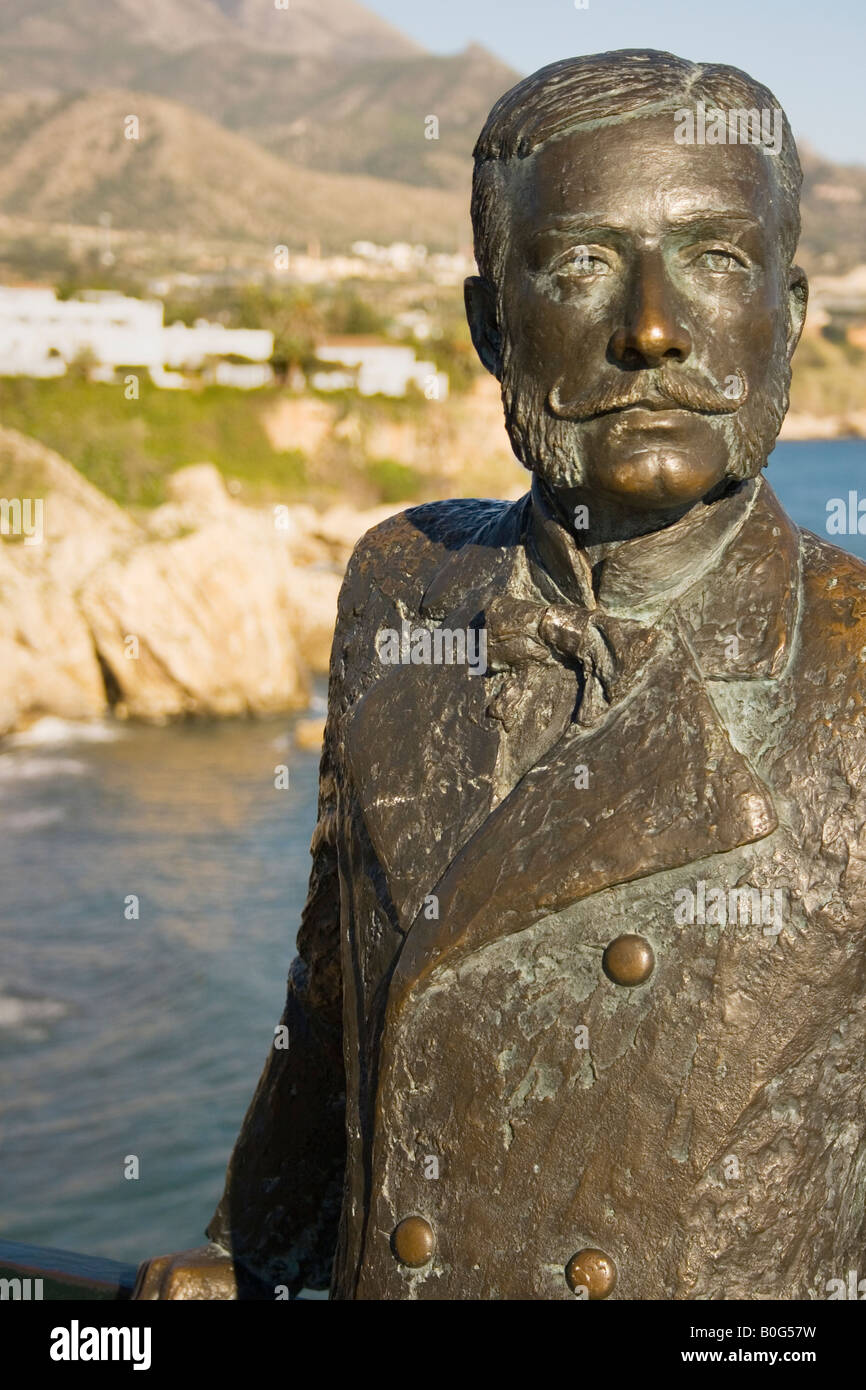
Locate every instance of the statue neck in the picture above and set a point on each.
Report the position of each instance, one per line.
(633, 557)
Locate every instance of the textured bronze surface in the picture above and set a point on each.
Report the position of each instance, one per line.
(592, 1271)
(669, 731)
(204, 1273)
(628, 960)
(413, 1242)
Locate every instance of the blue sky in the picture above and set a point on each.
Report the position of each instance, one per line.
(811, 55)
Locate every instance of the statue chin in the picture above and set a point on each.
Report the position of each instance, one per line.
(647, 461)
(656, 480)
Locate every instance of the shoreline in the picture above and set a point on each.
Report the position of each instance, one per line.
(800, 427)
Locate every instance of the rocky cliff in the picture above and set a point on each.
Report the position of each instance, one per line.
(202, 607)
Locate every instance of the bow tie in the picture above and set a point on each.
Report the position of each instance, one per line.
(605, 653)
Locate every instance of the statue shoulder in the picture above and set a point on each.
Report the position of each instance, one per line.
(833, 636)
(834, 583)
(390, 570)
(400, 555)
(439, 527)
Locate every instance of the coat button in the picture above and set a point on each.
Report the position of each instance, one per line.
(413, 1242)
(628, 960)
(593, 1270)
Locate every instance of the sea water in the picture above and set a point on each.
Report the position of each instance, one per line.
(142, 1036)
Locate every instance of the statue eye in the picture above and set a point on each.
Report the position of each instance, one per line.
(580, 263)
(719, 261)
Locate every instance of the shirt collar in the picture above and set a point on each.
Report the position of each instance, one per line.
(642, 576)
(734, 595)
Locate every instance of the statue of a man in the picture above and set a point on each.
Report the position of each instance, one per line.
(577, 1010)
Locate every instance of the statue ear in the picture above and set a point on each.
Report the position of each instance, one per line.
(798, 298)
(480, 299)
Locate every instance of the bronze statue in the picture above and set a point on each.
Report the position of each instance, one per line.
(577, 1010)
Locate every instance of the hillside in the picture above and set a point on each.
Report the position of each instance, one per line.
(833, 208)
(290, 103)
(52, 46)
(326, 83)
(187, 175)
(54, 28)
(371, 119)
(333, 29)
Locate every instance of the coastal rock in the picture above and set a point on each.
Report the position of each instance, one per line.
(340, 528)
(203, 606)
(199, 485)
(198, 625)
(312, 601)
(296, 422)
(47, 661)
(309, 734)
(805, 426)
(80, 527)
(196, 496)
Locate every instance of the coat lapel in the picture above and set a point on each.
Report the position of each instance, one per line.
(663, 784)
(740, 622)
(423, 754)
(664, 787)
(421, 747)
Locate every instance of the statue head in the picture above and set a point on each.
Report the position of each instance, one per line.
(636, 218)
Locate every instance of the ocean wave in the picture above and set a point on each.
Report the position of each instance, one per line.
(36, 819)
(22, 1011)
(17, 769)
(51, 731)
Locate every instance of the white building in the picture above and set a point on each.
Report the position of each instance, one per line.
(401, 258)
(40, 335)
(190, 347)
(246, 376)
(373, 367)
(414, 322)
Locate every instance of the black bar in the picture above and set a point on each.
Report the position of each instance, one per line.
(64, 1275)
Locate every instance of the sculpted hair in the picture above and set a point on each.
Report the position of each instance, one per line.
(603, 89)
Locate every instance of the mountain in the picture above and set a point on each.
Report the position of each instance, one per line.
(65, 159)
(333, 29)
(372, 118)
(329, 29)
(55, 29)
(308, 103)
(294, 105)
(325, 83)
(833, 208)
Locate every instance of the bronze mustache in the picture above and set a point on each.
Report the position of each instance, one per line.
(664, 389)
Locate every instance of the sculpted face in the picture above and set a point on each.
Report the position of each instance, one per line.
(647, 317)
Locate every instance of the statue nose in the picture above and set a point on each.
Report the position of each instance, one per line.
(651, 331)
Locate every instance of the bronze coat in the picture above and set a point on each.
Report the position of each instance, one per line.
(707, 1128)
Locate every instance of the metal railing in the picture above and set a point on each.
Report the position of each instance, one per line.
(33, 1272)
